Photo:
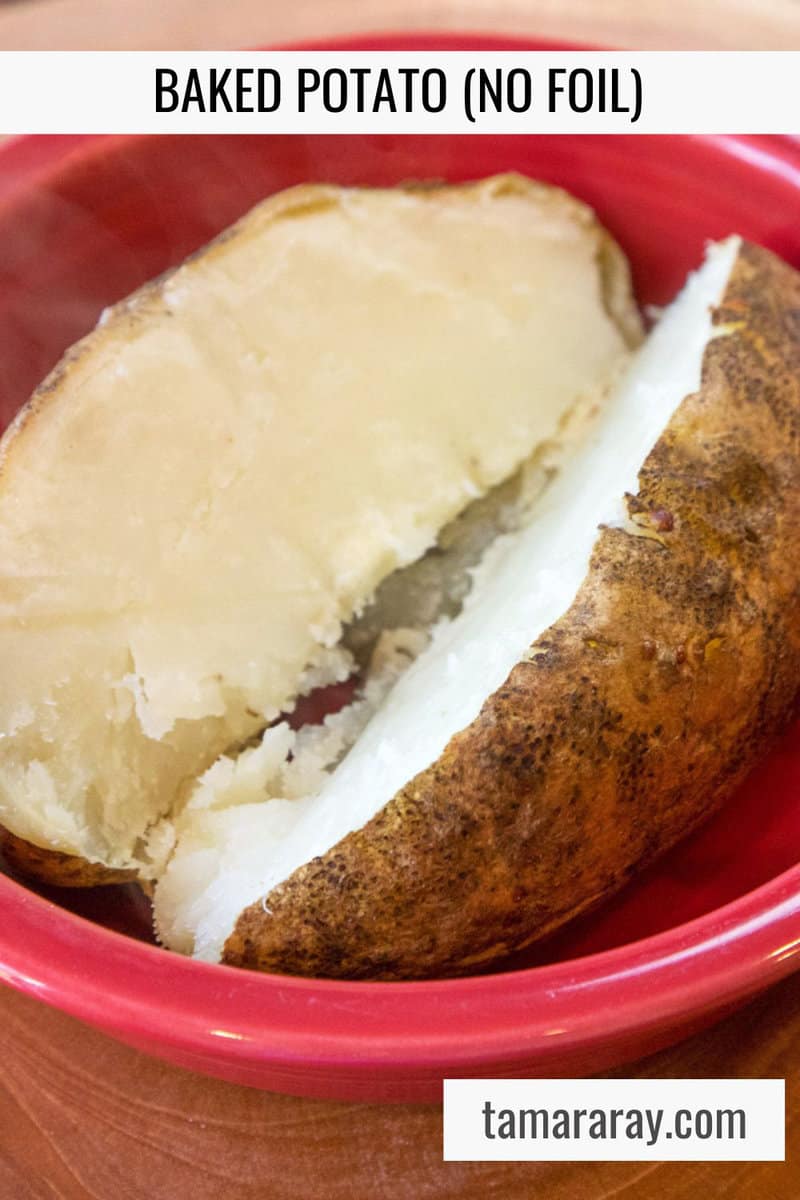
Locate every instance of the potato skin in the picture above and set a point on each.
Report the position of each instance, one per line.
(634, 717)
(55, 868)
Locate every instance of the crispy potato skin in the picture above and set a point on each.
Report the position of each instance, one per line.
(55, 868)
(636, 715)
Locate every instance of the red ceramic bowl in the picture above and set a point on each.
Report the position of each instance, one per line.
(84, 221)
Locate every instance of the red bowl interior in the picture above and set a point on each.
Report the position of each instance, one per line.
(83, 221)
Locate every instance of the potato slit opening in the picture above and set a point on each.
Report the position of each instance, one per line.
(233, 846)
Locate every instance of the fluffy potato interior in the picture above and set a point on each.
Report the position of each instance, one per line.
(221, 475)
(251, 823)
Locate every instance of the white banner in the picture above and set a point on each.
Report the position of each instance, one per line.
(398, 92)
(588, 1120)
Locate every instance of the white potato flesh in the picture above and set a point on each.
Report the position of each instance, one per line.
(228, 857)
(236, 459)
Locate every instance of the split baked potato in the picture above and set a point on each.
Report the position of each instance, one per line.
(399, 438)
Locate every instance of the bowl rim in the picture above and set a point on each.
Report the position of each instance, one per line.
(113, 981)
(694, 967)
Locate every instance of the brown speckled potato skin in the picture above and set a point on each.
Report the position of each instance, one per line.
(636, 715)
(55, 868)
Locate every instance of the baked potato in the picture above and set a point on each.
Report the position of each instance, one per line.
(370, 436)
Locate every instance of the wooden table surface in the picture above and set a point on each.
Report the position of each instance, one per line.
(83, 1118)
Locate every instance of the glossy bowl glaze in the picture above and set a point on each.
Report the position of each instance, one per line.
(83, 221)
